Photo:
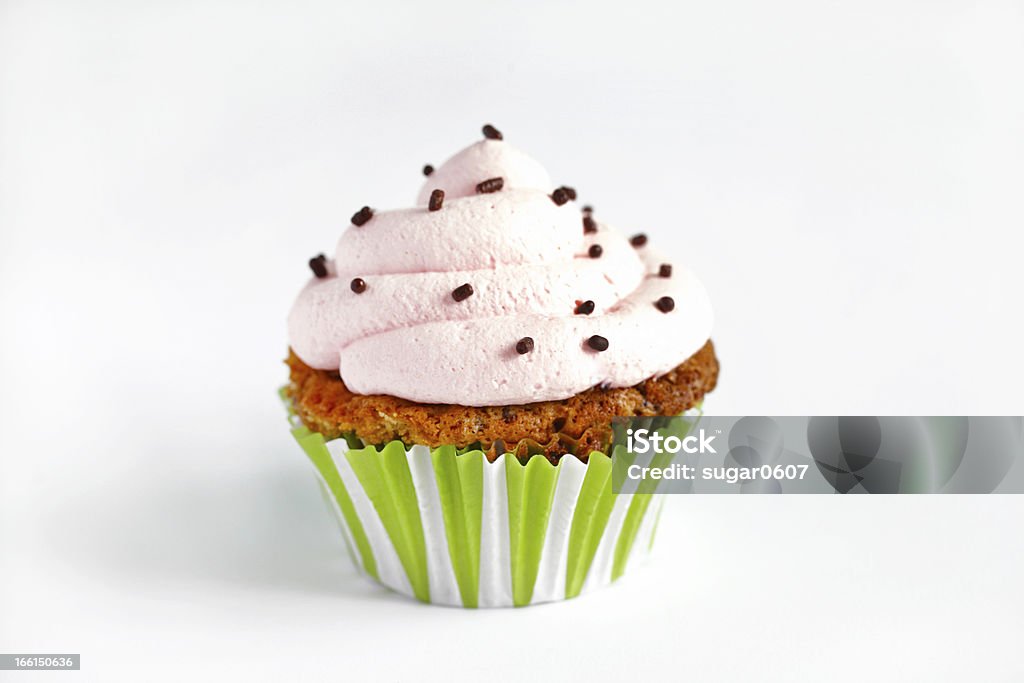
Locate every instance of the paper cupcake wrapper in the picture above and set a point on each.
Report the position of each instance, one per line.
(454, 529)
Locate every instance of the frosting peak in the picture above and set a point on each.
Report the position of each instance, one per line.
(430, 305)
(458, 176)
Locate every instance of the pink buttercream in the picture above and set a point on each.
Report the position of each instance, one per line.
(458, 176)
(527, 261)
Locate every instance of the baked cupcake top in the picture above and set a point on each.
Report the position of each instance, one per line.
(495, 290)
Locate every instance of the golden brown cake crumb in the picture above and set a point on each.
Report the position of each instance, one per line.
(577, 424)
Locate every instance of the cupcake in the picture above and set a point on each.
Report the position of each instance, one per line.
(454, 372)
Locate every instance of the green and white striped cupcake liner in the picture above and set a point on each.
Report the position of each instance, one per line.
(455, 529)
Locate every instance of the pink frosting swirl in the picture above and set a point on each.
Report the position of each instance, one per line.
(528, 262)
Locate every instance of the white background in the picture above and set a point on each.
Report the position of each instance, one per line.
(845, 176)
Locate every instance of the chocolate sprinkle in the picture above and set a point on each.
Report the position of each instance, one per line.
(436, 200)
(587, 208)
(560, 196)
(361, 216)
(571, 192)
(492, 133)
(490, 185)
(589, 225)
(462, 292)
(665, 270)
(358, 285)
(598, 343)
(595, 251)
(638, 240)
(428, 169)
(665, 304)
(318, 264)
(584, 308)
(524, 345)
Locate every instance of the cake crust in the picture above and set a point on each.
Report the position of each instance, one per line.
(578, 424)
